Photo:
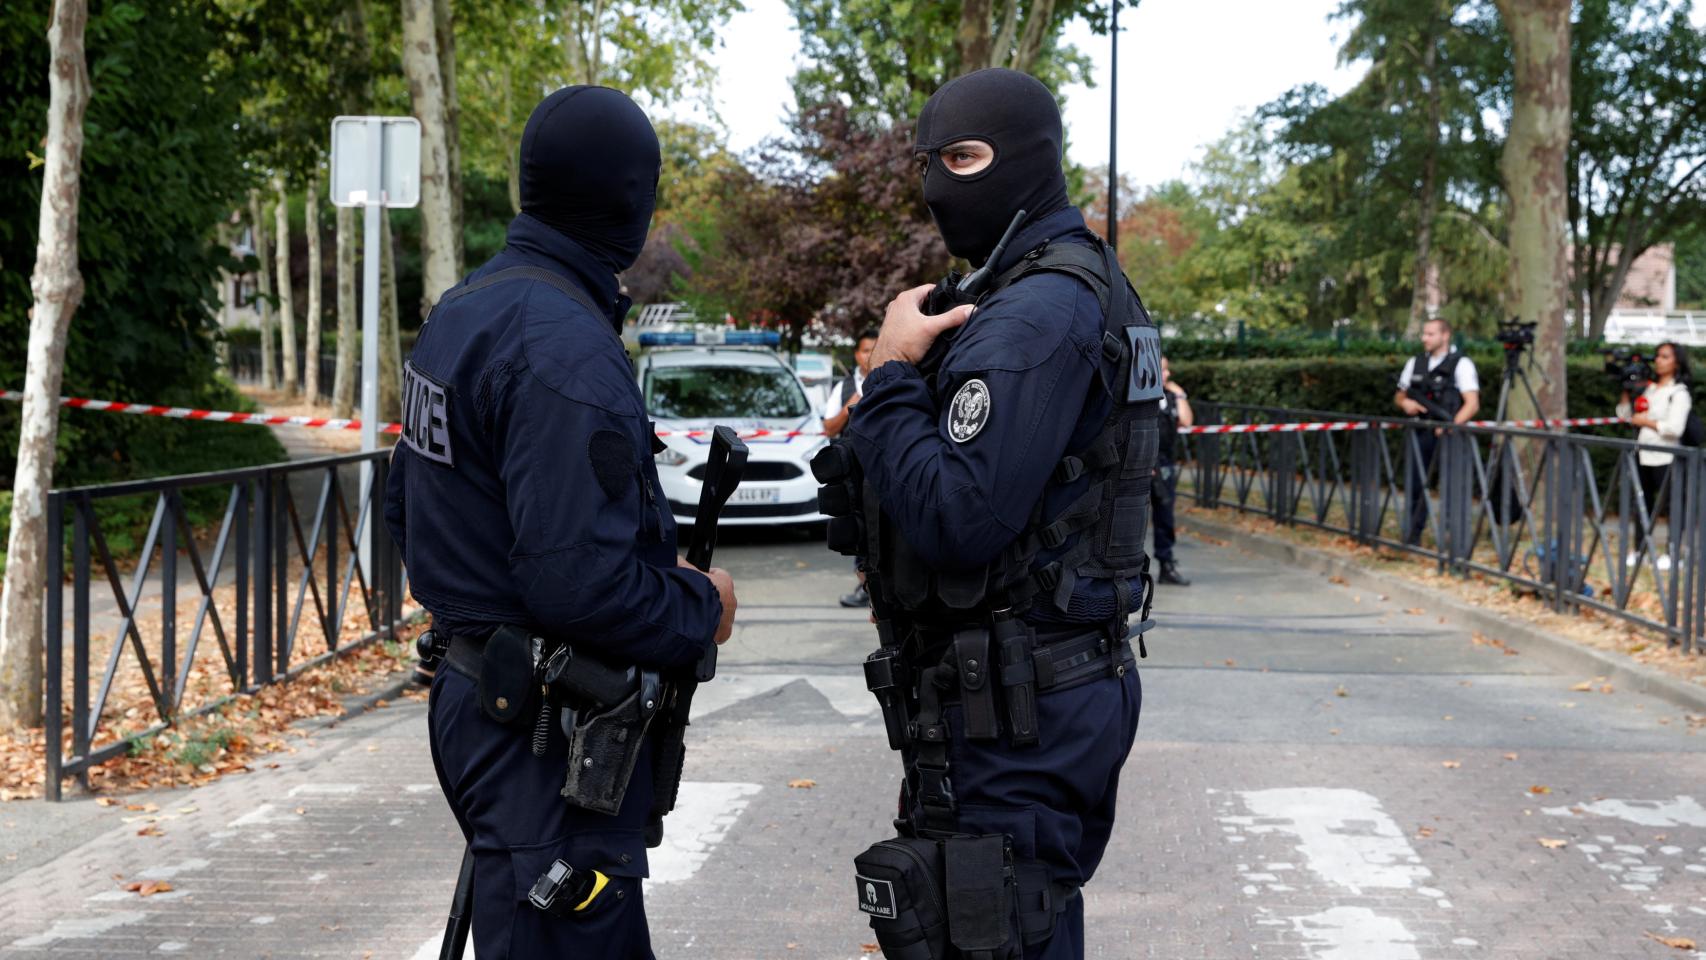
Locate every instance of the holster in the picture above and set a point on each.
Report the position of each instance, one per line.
(604, 744)
(885, 676)
(1015, 641)
(977, 691)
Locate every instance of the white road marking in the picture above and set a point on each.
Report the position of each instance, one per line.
(1348, 841)
(1355, 933)
(1345, 837)
(1683, 811)
(79, 928)
(846, 693)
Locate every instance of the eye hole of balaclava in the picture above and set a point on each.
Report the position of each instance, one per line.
(590, 163)
(1019, 119)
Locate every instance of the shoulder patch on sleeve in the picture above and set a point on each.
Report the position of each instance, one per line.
(613, 462)
(426, 416)
(968, 411)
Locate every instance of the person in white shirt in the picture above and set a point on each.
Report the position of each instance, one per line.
(851, 389)
(1661, 413)
(1437, 384)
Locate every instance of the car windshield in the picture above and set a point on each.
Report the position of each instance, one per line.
(724, 393)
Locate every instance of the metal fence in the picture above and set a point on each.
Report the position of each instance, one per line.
(244, 364)
(275, 565)
(1567, 515)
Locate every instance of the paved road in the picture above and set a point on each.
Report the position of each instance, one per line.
(1319, 776)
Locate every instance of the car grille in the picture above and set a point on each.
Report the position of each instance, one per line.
(758, 471)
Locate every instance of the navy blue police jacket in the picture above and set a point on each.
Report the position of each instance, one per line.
(527, 493)
(1036, 345)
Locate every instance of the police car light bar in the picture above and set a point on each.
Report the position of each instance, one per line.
(711, 338)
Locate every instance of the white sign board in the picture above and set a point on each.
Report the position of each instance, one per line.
(355, 143)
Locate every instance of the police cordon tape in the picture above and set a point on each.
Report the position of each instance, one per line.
(332, 423)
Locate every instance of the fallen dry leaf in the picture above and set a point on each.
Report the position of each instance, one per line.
(1451, 764)
(1424, 832)
(1510, 756)
(1335, 578)
(802, 784)
(1538, 789)
(149, 889)
(1605, 688)
(869, 947)
(1553, 844)
(1231, 662)
(1680, 943)
(1583, 687)
(106, 801)
(1341, 692)
(151, 831)
(1414, 611)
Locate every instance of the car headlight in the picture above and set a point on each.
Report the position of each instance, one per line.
(669, 457)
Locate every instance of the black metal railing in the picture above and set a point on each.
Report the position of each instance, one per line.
(1568, 515)
(244, 365)
(274, 565)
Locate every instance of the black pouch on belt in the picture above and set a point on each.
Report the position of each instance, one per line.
(1014, 640)
(900, 888)
(977, 693)
(979, 883)
(507, 682)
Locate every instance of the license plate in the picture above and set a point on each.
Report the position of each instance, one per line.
(756, 495)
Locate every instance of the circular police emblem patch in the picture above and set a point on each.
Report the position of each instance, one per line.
(969, 411)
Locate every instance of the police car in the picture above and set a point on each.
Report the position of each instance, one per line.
(692, 382)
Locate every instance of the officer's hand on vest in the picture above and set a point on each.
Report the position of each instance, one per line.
(908, 331)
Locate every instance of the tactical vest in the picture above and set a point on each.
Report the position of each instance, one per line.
(1111, 514)
(1438, 385)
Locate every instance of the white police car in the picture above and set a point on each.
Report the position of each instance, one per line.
(692, 382)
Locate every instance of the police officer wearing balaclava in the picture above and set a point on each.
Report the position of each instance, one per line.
(525, 497)
(1010, 473)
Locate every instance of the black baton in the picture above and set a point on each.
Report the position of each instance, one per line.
(722, 475)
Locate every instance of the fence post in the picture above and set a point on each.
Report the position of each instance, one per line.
(1208, 462)
(261, 662)
(1282, 455)
(169, 603)
(53, 719)
(81, 734)
(240, 521)
(1365, 483)
(1456, 456)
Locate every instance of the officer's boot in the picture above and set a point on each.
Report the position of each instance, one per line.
(1170, 575)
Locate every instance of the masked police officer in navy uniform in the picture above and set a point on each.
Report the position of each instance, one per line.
(995, 489)
(526, 500)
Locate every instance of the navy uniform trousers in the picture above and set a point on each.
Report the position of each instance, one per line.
(508, 798)
(1057, 799)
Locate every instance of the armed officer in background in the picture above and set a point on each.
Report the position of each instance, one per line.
(994, 484)
(526, 500)
(1438, 384)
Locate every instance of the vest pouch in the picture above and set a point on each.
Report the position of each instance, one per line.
(900, 887)
(507, 684)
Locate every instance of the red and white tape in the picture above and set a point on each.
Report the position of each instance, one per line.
(1316, 426)
(326, 423)
(331, 423)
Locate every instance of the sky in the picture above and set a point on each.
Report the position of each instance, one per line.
(1188, 70)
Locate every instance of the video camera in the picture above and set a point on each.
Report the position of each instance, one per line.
(1631, 370)
(1515, 334)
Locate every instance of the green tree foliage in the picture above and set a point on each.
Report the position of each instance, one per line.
(160, 169)
(1638, 150)
(881, 59)
(514, 52)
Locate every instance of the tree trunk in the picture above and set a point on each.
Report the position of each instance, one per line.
(1004, 36)
(973, 38)
(286, 305)
(311, 354)
(343, 380)
(1036, 31)
(1422, 288)
(263, 289)
(1534, 166)
(426, 93)
(1602, 297)
(444, 19)
(57, 287)
(390, 343)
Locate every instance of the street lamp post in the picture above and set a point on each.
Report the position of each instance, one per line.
(1114, 126)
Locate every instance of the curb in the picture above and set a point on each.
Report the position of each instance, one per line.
(1546, 647)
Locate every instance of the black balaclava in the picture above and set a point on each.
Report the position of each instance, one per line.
(589, 169)
(1014, 113)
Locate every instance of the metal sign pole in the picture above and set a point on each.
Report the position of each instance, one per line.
(372, 209)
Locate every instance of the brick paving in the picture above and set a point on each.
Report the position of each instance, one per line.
(1263, 814)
